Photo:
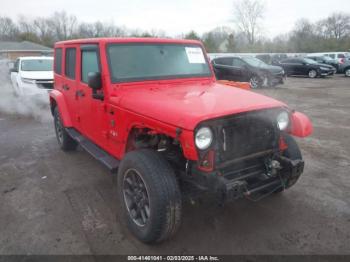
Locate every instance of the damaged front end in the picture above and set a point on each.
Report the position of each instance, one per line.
(250, 156)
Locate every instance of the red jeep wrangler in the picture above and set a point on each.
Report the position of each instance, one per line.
(152, 112)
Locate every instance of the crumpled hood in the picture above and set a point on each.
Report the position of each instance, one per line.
(187, 104)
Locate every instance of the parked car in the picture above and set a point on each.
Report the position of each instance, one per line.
(341, 58)
(152, 111)
(307, 67)
(322, 59)
(247, 69)
(31, 74)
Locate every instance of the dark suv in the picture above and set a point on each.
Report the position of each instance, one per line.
(247, 69)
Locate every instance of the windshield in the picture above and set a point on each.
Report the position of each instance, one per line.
(254, 61)
(326, 58)
(309, 61)
(140, 61)
(37, 65)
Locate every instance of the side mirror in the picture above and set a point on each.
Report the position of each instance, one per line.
(94, 80)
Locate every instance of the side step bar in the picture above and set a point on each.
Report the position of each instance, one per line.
(105, 158)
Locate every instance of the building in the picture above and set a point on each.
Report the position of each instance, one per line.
(11, 50)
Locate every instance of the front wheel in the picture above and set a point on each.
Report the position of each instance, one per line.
(292, 152)
(151, 197)
(347, 72)
(312, 73)
(255, 82)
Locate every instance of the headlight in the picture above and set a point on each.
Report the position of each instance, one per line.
(28, 81)
(283, 120)
(203, 138)
(324, 68)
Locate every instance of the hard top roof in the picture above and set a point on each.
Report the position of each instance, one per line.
(127, 40)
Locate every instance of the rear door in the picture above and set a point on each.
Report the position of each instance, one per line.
(69, 83)
(222, 68)
(288, 66)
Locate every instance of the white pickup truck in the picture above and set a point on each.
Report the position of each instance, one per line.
(32, 75)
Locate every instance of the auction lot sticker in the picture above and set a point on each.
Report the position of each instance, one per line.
(195, 55)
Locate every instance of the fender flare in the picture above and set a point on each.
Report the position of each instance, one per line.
(57, 99)
(301, 125)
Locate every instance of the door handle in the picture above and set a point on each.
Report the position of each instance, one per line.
(79, 93)
(65, 87)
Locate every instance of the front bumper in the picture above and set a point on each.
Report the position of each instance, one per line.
(277, 79)
(253, 181)
(327, 72)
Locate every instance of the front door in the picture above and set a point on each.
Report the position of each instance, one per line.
(92, 111)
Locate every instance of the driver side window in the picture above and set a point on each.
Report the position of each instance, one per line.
(89, 63)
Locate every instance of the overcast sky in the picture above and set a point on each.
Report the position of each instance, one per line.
(176, 16)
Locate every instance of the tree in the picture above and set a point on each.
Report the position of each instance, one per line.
(247, 16)
(210, 43)
(231, 43)
(63, 25)
(192, 35)
(8, 29)
(338, 25)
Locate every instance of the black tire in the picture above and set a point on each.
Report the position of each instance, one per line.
(292, 152)
(65, 142)
(164, 206)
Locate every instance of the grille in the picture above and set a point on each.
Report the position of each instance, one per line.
(246, 135)
(46, 85)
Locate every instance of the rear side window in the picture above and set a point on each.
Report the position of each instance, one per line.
(58, 61)
(89, 63)
(224, 61)
(70, 63)
(341, 56)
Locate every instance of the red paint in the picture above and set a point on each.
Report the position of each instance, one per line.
(162, 106)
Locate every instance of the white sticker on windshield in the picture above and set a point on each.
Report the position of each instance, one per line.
(195, 55)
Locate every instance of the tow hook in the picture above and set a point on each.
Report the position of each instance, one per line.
(273, 167)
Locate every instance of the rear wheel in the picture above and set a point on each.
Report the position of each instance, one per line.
(312, 73)
(65, 142)
(151, 198)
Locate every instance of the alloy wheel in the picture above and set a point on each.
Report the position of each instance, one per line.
(347, 72)
(136, 197)
(312, 73)
(254, 82)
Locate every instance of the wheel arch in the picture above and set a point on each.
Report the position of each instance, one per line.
(185, 137)
(57, 100)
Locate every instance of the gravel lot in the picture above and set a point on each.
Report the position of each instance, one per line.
(53, 202)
